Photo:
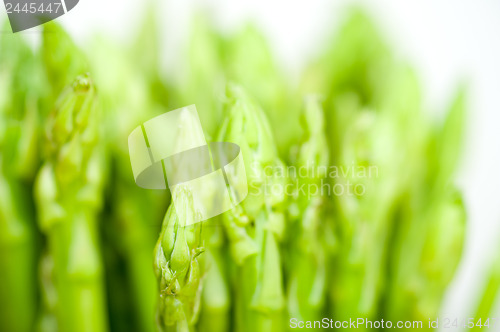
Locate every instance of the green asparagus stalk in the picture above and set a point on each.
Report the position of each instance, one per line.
(202, 81)
(21, 107)
(126, 96)
(19, 121)
(375, 119)
(255, 228)
(63, 60)
(349, 74)
(177, 267)
(432, 229)
(145, 54)
(363, 137)
(134, 246)
(68, 194)
(307, 273)
(385, 147)
(488, 297)
(216, 300)
(17, 260)
(250, 62)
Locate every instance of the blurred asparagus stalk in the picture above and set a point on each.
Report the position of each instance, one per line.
(69, 196)
(375, 121)
(148, 63)
(307, 270)
(126, 94)
(214, 59)
(361, 137)
(255, 227)
(216, 297)
(488, 297)
(202, 82)
(19, 122)
(248, 60)
(17, 261)
(62, 59)
(381, 148)
(431, 230)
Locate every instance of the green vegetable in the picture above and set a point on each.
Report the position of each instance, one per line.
(130, 232)
(432, 226)
(248, 60)
(68, 194)
(19, 158)
(216, 297)
(307, 273)
(255, 227)
(352, 208)
(177, 267)
(62, 58)
(375, 121)
(488, 297)
(202, 81)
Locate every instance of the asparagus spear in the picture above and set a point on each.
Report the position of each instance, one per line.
(126, 96)
(177, 267)
(176, 264)
(145, 55)
(307, 279)
(379, 122)
(348, 75)
(63, 60)
(255, 228)
(216, 301)
(250, 62)
(489, 296)
(68, 194)
(431, 232)
(202, 81)
(350, 71)
(17, 260)
(19, 120)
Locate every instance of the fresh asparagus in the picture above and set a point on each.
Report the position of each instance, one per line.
(255, 228)
(202, 82)
(307, 273)
(375, 119)
(348, 77)
(19, 121)
(69, 197)
(216, 297)
(488, 298)
(387, 253)
(127, 98)
(177, 266)
(63, 60)
(432, 226)
(249, 60)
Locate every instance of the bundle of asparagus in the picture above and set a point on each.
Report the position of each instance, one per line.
(351, 212)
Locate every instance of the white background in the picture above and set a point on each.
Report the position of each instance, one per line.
(446, 41)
